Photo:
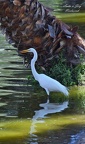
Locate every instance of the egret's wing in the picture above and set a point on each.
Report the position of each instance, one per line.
(48, 82)
(51, 84)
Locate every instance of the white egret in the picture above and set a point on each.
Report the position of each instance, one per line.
(46, 82)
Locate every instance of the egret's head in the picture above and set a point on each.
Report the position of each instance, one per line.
(28, 50)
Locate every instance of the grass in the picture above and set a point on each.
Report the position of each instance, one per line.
(72, 17)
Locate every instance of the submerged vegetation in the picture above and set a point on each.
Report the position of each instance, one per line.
(77, 99)
(19, 130)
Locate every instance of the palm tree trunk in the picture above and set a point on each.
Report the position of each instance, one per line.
(27, 23)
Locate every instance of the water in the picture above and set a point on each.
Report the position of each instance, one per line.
(25, 116)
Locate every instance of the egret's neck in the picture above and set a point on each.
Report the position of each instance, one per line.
(34, 72)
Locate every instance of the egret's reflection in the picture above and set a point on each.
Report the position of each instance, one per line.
(47, 108)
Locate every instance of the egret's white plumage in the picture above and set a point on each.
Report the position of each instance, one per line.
(46, 82)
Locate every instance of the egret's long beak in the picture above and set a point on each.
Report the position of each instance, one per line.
(24, 51)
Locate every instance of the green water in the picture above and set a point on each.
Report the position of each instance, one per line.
(25, 117)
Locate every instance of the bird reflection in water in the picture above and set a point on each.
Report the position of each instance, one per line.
(47, 108)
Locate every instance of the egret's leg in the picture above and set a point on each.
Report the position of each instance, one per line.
(48, 100)
(48, 95)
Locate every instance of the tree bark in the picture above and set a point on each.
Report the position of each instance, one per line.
(27, 23)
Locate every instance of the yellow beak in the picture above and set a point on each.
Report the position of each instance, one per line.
(24, 51)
